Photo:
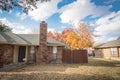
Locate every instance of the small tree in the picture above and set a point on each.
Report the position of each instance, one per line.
(5, 28)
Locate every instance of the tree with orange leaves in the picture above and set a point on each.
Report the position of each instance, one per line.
(55, 36)
(50, 35)
(72, 40)
(80, 37)
(60, 36)
(65, 33)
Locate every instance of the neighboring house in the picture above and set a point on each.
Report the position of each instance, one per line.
(118, 38)
(109, 50)
(15, 48)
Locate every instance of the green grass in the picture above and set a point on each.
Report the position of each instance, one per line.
(96, 69)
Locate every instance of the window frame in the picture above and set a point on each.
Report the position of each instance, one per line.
(55, 51)
(113, 52)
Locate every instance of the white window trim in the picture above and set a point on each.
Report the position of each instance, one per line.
(54, 49)
(54, 52)
(113, 51)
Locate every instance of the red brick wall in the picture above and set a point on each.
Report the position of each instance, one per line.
(6, 52)
(29, 55)
(50, 54)
(1, 55)
(59, 54)
(42, 55)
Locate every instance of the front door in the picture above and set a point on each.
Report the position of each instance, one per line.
(22, 51)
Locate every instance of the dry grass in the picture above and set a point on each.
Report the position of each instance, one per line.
(96, 69)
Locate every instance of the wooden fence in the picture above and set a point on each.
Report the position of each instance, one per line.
(74, 56)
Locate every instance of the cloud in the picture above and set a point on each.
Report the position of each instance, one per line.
(16, 27)
(103, 39)
(0, 11)
(44, 10)
(22, 16)
(108, 26)
(112, 38)
(110, 1)
(51, 30)
(63, 27)
(78, 10)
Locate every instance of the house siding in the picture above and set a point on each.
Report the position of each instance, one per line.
(119, 52)
(99, 53)
(107, 53)
(103, 53)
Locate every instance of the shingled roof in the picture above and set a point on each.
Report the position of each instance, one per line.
(24, 39)
(110, 44)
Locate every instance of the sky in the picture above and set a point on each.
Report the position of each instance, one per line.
(102, 15)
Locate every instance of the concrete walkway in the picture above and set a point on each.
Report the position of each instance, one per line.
(10, 67)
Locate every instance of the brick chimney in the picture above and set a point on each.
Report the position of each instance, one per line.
(42, 54)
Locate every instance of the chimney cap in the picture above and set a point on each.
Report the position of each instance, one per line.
(43, 22)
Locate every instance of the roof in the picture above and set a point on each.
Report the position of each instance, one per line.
(110, 44)
(34, 39)
(11, 38)
(25, 39)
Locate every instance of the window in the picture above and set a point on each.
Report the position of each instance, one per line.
(54, 52)
(114, 51)
(54, 49)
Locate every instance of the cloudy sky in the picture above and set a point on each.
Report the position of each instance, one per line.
(103, 15)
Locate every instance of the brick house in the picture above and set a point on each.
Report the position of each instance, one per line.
(15, 48)
(109, 50)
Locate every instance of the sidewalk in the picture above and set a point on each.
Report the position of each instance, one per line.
(10, 67)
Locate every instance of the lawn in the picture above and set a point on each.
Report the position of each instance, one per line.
(96, 69)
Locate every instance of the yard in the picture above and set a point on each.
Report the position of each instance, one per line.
(96, 69)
